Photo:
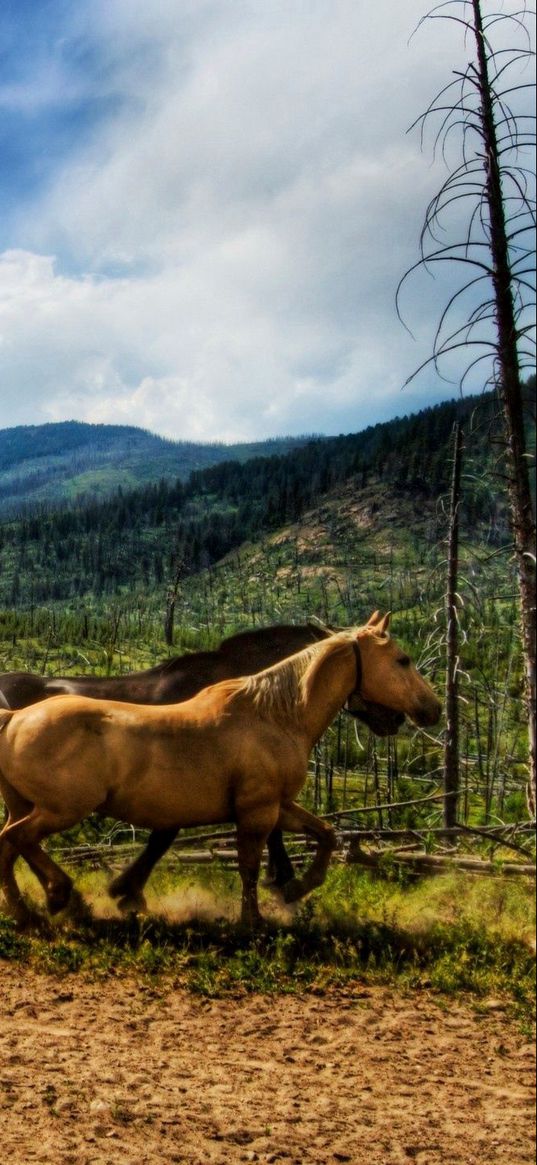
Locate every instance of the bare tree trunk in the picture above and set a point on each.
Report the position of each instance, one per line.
(171, 599)
(510, 387)
(451, 740)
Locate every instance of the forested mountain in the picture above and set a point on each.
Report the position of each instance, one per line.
(331, 530)
(134, 539)
(69, 460)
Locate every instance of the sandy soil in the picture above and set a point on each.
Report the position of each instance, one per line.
(98, 1074)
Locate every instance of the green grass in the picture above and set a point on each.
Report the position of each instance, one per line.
(451, 935)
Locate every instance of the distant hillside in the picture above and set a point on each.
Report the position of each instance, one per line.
(392, 476)
(70, 461)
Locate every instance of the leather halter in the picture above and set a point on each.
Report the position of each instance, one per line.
(356, 690)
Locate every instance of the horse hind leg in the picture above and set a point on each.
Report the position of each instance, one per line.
(16, 904)
(24, 835)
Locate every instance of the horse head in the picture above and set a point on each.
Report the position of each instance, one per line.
(388, 685)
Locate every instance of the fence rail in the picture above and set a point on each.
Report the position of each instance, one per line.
(426, 851)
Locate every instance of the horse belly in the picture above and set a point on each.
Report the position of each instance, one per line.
(163, 798)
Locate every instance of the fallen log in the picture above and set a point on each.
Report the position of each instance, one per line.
(436, 863)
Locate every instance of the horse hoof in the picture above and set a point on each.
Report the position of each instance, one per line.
(116, 888)
(32, 922)
(276, 883)
(29, 920)
(132, 905)
(78, 909)
(57, 900)
(292, 890)
(128, 901)
(252, 922)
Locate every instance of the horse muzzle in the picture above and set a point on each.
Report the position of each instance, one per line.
(427, 713)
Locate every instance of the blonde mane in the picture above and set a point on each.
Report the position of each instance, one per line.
(280, 692)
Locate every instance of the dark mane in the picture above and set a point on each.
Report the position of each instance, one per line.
(282, 631)
(240, 645)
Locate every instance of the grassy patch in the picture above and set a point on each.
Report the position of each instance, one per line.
(451, 934)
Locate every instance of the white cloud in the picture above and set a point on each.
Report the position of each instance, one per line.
(219, 258)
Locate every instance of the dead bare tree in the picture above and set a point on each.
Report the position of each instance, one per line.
(451, 742)
(483, 108)
(172, 593)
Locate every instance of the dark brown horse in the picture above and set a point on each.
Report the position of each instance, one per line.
(237, 751)
(174, 680)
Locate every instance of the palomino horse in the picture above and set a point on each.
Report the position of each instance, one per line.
(238, 751)
(175, 679)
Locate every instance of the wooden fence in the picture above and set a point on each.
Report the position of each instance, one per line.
(420, 850)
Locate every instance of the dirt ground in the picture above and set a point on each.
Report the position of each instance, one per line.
(101, 1073)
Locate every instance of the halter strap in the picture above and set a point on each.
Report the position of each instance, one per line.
(358, 658)
(359, 672)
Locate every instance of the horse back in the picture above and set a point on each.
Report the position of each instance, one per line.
(18, 689)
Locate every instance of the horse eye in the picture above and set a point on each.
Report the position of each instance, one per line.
(404, 661)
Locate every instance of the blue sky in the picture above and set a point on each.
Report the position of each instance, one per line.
(205, 210)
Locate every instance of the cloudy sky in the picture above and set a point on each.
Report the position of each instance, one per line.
(205, 210)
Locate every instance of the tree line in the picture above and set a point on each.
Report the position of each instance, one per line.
(134, 537)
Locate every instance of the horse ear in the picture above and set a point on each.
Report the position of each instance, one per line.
(383, 624)
(373, 619)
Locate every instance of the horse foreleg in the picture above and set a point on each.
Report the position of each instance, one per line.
(24, 835)
(250, 843)
(129, 885)
(279, 867)
(295, 819)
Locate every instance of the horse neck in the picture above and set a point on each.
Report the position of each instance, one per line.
(249, 652)
(327, 684)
